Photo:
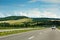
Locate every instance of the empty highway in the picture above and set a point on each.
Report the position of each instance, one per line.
(45, 34)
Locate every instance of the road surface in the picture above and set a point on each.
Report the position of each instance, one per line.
(46, 34)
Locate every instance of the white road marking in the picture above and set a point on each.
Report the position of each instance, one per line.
(31, 37)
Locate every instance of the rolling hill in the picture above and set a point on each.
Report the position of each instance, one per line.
(12, 18)
(23, 21)
(22, 17)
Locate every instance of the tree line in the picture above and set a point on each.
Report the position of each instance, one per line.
(31, 24)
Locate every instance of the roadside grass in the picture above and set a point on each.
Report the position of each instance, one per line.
(12, 32)
(17, 31)
(58, 27)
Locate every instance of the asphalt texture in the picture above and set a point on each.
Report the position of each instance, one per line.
(45, 34)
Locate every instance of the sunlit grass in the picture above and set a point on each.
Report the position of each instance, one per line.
(12, 32)
(20, 21)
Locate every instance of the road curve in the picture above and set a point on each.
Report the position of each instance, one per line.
(46, 34)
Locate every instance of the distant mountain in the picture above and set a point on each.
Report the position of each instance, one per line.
(12, 18)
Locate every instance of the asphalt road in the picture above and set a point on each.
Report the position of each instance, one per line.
(46, 34)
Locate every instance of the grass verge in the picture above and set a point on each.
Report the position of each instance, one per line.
(17, 31)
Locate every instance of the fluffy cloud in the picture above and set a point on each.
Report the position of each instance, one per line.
(49, 14)
(36, 13)
(33, 13)
(44, 14)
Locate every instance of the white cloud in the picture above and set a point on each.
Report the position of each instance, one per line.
(44, 14)
(37, 13)
(51, 1)
(33, 13)
(17, 13)
(2, 15)
(8, 14)
(49, 15)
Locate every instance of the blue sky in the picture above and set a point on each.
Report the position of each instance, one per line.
(30, 8)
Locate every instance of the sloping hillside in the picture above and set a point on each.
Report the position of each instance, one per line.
(19, 21)
(22, 17)
(12, 18)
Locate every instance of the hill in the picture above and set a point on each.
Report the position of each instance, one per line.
(23, 21)
(12, 18)
(22, 17)
(19, 21)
